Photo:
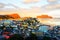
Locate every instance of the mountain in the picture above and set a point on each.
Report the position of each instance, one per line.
(10, 16)
(44, 16)
(14, 16)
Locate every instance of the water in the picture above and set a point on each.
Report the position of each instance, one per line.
(43, 28)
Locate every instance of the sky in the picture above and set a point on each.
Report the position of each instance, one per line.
(31, 8)
(25, 3)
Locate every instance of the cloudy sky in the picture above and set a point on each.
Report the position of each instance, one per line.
(31, 7)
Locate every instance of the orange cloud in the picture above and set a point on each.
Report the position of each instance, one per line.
(30, 1)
